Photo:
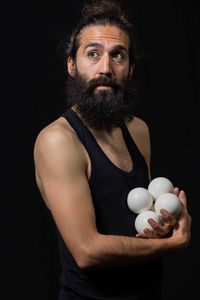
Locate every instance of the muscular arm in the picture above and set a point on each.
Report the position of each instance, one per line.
(61, 166)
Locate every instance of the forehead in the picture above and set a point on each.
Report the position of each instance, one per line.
(107, 35)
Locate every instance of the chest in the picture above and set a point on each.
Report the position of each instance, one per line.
(118, 153)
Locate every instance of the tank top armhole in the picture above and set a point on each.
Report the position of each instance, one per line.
(90, 154)
(128, 137)
(130, 141)
(92, 162)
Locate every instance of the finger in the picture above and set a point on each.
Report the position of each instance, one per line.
(148, 233)
(183, 199)
(168, 218)
(140, 235)
(159, 229)
(151, 234)
(176, 191)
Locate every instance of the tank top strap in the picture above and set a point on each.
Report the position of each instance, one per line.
(74, 121)
(132, 147)
(84, 135)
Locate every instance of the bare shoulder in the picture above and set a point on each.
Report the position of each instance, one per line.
(59, 157)
(138, 127)
(58, 141)
(57, 132)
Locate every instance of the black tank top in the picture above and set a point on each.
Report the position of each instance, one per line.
(109, 187)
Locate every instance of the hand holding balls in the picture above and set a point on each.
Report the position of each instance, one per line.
(170, 202)
(140, 201)
(141, 221)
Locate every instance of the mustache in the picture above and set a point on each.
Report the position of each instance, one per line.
(104, 80)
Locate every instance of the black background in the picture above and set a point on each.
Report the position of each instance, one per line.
(33, 96)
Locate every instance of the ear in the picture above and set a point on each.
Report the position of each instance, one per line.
(132, 67)
(71, 66)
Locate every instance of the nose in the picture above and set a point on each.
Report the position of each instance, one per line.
(105, 66)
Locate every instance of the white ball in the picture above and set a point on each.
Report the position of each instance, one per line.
(160, 185)
(141, 221)
(170, 202)
(139, 199)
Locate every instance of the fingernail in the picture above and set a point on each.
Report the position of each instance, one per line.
(182, 193)
(151, 221)
(163, 212)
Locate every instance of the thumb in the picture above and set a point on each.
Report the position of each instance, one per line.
(183, 199)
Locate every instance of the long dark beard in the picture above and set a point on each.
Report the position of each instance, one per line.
(102, 109)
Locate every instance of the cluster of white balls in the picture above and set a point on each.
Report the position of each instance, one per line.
(147, 203)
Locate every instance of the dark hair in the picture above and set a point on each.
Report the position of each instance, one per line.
(98, 12)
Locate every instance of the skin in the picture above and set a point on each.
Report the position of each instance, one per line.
(63, 167)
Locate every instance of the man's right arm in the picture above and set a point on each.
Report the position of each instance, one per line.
(61, 165)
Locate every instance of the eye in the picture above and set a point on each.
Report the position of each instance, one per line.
(118, 56)
(93, 55)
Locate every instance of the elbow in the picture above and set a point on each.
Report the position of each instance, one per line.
(88, 257)
(86, 261)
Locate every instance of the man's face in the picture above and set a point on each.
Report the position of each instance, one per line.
(100, 82)
(104, 50)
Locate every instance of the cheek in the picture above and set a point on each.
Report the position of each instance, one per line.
(84, 67)
(122, 71)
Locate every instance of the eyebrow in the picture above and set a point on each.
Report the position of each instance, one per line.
(97, 45)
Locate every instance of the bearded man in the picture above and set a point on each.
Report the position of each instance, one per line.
(88, 160)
